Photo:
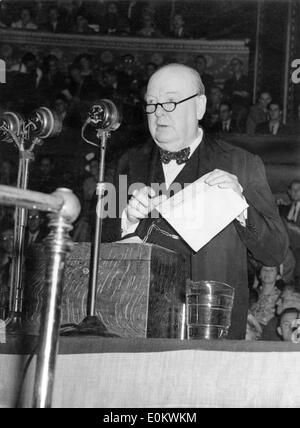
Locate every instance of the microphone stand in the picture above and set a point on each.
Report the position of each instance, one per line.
(92, 323)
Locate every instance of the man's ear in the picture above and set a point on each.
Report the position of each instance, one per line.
(201, 106)
(279, 331)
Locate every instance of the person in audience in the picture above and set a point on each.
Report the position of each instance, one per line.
(225, 124)
(237, 92)
(44, 178)
(179, 28)
(211, 116)
(69, 12)
(82, 232)
(35, 230)
(85, 62)
(287, 324)
(53, 81)
(273, 126)
(82, 25)
(114, 23)
(149, 28)
(264, 300)
(25, 22)
(63, 109)
(291, 215)
(295, 124)
(6, 251)
(180, 152)
(258, 113)
(55, 23)
(207, 79)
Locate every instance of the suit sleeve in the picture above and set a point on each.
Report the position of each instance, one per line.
(264, 235)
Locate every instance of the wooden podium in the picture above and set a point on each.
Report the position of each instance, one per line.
(141, 290)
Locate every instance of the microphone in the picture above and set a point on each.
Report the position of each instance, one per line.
(105, 116)
(44, 123)
(10, 121)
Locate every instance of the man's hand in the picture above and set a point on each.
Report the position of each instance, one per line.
(142, 202)
(224, 180)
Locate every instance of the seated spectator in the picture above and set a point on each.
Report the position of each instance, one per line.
(114, 24)
(64, 112)
(129, 75)
(179, 28)
(52, 81)
(274, 125)
(287, 325)
(266, 297)
(295, 125)
(82, 25)
(215, 97)
(43, 177)
(69, 12)
(54, 23)
(25, 22)
(237, 92)
(29, 67)
(85, 62)
(258, 113)
(226, 123)
(207, 79)
(81, 88)
(110, 83)
(25, 80)
(82, 232)
(6, 251)
(149, 28)
(36, 230)
(291, 215)
(5, 14)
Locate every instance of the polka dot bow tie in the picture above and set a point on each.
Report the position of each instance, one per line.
(180, 157)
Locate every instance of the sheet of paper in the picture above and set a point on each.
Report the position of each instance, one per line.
(131, 240)
(199, 211)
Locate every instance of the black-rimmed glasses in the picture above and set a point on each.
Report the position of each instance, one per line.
(168, 106)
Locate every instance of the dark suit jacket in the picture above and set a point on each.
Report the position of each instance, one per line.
(263, 128)
(217, 128)
(294, 234)
(224, 258)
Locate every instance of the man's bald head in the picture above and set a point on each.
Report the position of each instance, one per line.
(189, 73)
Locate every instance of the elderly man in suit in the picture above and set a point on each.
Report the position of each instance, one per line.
(180, 152)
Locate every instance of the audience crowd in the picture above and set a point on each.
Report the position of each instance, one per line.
(274, 290)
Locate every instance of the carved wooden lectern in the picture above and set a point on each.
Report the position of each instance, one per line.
(141, 289)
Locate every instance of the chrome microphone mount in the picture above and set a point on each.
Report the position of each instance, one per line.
(104, 117)
(24, 135)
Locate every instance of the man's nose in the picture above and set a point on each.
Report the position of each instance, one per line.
(159, 111)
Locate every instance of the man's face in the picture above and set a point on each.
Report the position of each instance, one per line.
(7, 240)
(33, 221)
(285, 329)
(225, 113)
(216, 95)
(295, 192)
(45, 166)
(174, 130)
(264, 99)
(178, 21)
(236, 66)
(268, 274)
(60, 106)
(25, 15)
(200, 65)
(274, 112)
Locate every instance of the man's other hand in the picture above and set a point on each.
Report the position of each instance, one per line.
(142, 202)
(224, 180)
